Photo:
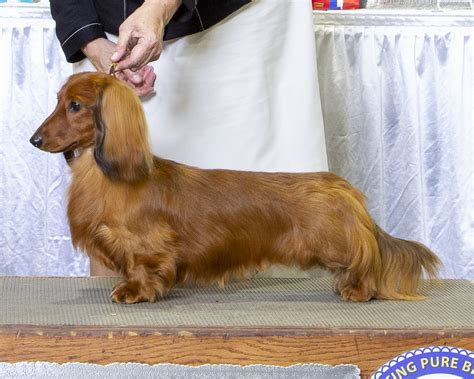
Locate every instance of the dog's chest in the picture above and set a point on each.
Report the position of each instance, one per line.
(92, 204)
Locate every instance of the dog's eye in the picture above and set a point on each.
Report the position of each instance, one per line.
(74, 106)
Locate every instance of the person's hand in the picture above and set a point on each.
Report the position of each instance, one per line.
(99, 52)
(141, 34)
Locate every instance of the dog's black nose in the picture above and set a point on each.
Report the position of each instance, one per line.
(36, 140)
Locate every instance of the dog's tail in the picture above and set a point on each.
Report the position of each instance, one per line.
(402, 266)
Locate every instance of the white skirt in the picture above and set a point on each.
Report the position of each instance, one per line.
(242, 95)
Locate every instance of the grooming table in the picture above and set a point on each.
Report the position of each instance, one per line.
(266, 320)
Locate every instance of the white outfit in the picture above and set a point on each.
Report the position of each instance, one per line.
(242, 95)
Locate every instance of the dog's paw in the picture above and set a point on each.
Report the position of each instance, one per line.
(132, 292)
(355, 294)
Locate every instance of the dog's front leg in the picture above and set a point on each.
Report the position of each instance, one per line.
(146, 260)
(147, 278)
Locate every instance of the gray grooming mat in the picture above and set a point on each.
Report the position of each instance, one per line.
(262, 302)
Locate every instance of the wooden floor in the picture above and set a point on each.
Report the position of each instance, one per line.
(29, 336)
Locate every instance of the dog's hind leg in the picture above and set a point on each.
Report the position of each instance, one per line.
(358, 281)
(349, 247)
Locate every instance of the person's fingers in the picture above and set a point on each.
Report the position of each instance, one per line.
(143, 90)
(138, 57)
(149, 77)
(121, 76)
(147, 86)
(135, 78)
(149, 83)
(125, 35)
(146, 70)
(142, 81)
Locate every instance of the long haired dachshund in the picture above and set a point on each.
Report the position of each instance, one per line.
(160, 223)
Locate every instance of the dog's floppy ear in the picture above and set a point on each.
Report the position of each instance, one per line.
(122, 150)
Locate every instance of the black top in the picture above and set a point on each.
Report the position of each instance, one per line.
(81, 21)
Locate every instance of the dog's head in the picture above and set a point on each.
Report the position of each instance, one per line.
(97, 111)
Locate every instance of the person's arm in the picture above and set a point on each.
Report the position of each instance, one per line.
(77, 24)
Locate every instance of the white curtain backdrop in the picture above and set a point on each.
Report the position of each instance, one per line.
(397, 98)
(397, 103)
(34, 234)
